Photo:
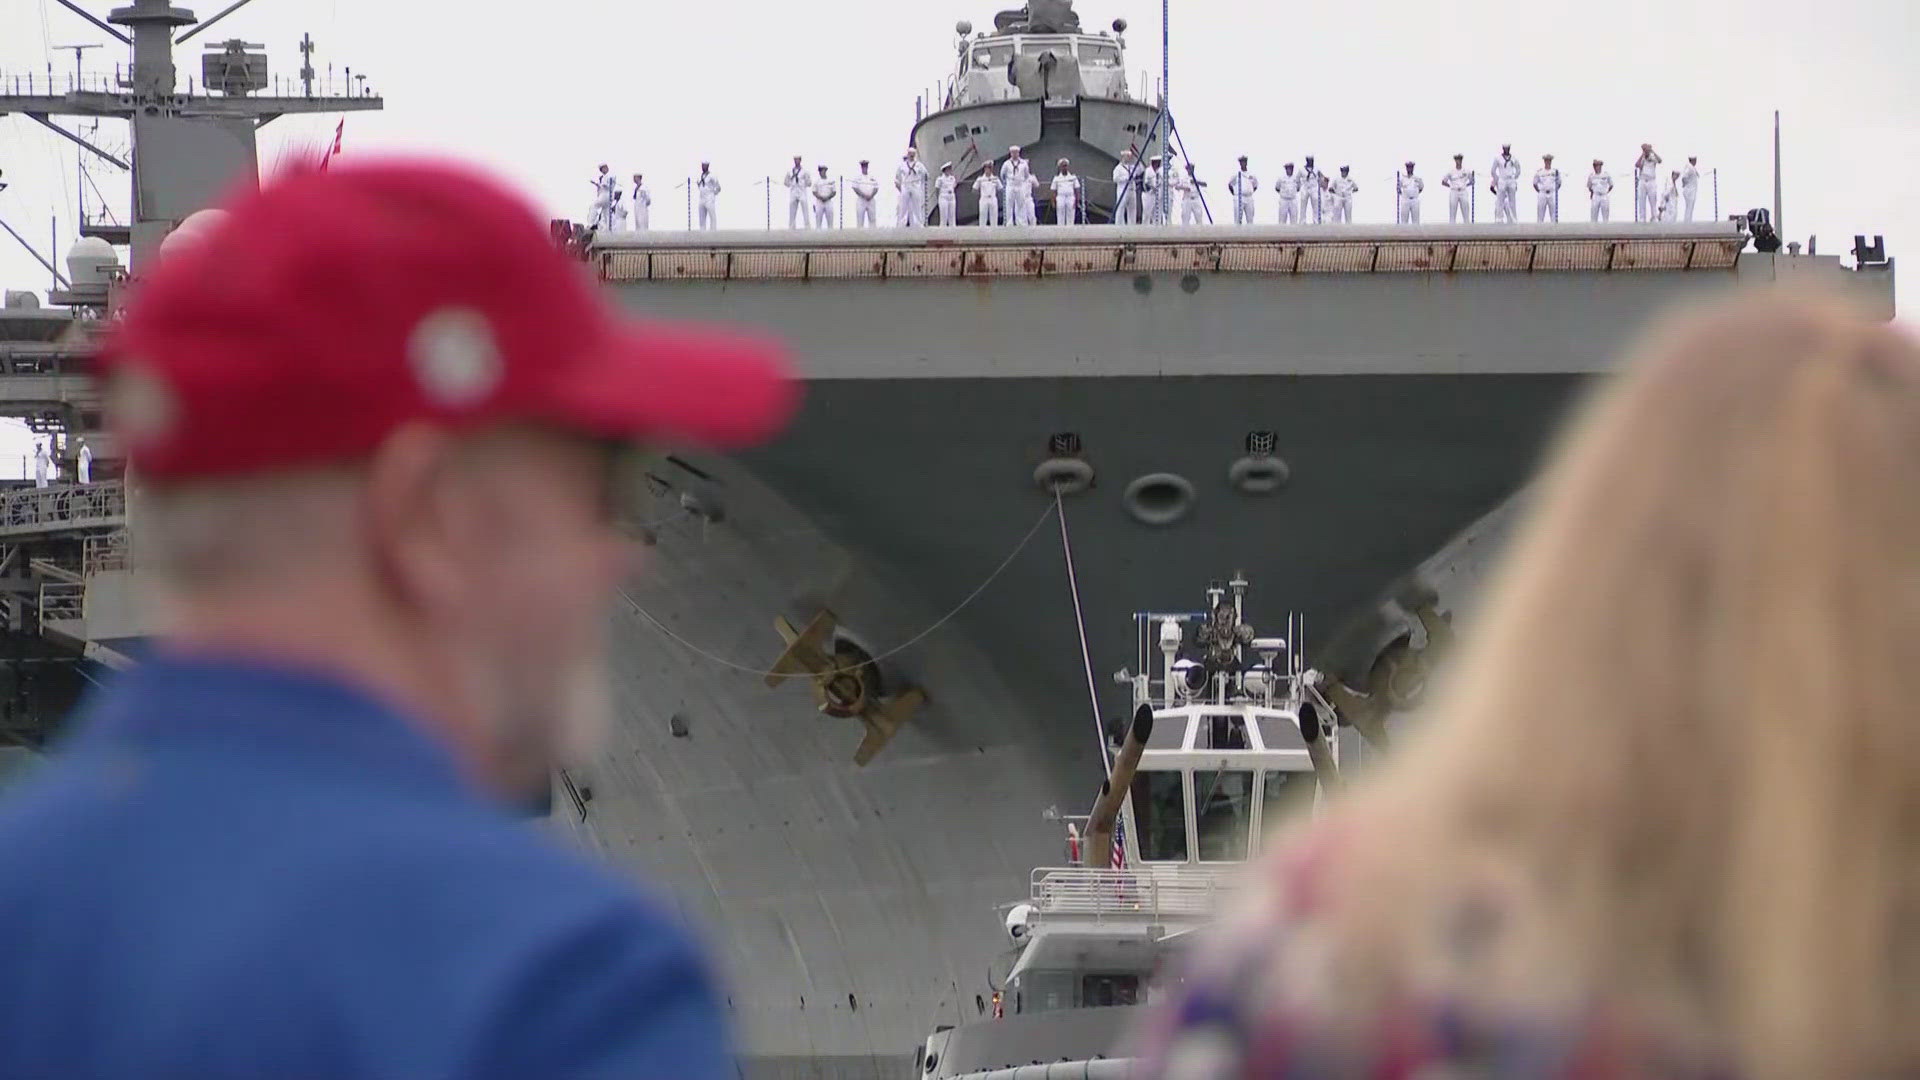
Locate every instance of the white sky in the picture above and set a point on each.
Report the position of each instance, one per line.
(653, 86)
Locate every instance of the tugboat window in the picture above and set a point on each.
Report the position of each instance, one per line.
(1223, 812)
(1286, 796)
(1044, 991)
(1159, 808)
(1095, 54)
(1224, 731)
(1102, 990)
(992, 56)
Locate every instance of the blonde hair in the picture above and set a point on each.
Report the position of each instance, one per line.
(1682, 748)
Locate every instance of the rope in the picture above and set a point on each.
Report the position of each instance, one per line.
(902, 647)
(1080, 623)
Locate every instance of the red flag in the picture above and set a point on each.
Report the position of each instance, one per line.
(338, 130)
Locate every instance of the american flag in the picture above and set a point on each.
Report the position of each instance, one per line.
(1119, 860)
(338, 130)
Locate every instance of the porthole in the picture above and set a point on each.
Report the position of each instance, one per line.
(1159, 498)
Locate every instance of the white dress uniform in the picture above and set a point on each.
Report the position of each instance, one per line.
(910, 181)
(1506, 188)
(1600, 196)
(1340, 191)
(947, 191)
(84, 472)
(40, 464)
(799, 187)
(1646, 187)
(1459, 185)
(1066, 199)
(987, 187)
(1289, 188)
(1244, 187)
(1192, 210)
(866, 192)
(1670, 202)
(1016, 178)
(1408, 188)
(1150, 194)
(1690, 187)
(600, 216)
(642, 203)
(618, 219)
(1310, 207)
(825, 190)
(708, 189)
(1126, 199)
(1546, 188)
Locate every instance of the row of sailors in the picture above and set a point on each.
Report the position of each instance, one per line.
(1305, 196)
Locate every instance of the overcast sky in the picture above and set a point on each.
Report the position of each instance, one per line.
(654, 87)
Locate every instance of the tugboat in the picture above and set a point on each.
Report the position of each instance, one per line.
(1222, 748)
(1039, 82)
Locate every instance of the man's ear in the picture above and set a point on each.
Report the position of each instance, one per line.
(415, 518)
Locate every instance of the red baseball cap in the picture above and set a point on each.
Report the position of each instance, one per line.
(327, 308)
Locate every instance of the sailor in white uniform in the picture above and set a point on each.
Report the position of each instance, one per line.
(642, 204)
(1066, 195)
(1690, 183)
(799, 191)
(1289, 188)
(1459, 185)
(1192, 207)
(600, 216)
(910, 187)
(946, 188)
(1646, 184)
(84, 470)
(1670, 199)
(866, 190)
(617, 219)
(1159, 203)
(1505, 185)
(986, 187)
(1600, 193)
(1126, 190)
(1408, 187)
(1244, 187)
(1311, 188)
(707, 192)
(40, 464)
(825, 190)
(1340, 196)
(1546, 188)
(1016, 178)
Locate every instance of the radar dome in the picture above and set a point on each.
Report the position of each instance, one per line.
(1119, 26)
(963, 28)
(90, 263)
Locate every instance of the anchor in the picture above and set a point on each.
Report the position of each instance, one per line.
(845, 681)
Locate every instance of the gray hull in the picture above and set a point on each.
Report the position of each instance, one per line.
(1090, 134)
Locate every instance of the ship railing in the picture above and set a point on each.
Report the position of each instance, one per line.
(62, 508)
(62, 601)
(119, 81)
(1132, 893)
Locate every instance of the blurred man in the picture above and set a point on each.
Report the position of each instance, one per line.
(1243, 187)
(946, 188)
(382, 497)
(1646, 184)
(1505, 185)
(866, 189)
(1459, 185)
(1310, 190)
(84, 465)
(986, 189)
(1690, 183)
(1670, 199)
(910, 191)
(1408, 187)
(617, 221)
(799, 190)
(1546, 191)
(825, 190)
(1066, 195)
(642, 203)
(1158, 196)
(1288, 187)
(41, 463)
(601, 214)
(1193, 207)
(1126, 190)
(707, 192)
(1600, 193)
(1340, 195)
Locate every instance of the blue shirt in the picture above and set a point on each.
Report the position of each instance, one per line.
(241, 871)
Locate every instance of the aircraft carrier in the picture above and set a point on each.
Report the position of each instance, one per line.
(1024, 436)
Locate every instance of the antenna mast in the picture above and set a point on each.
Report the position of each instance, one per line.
(1779, 226)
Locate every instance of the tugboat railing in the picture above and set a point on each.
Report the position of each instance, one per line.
(1190, 891)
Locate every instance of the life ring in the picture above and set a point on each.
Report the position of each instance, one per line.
(1159, 499)
(1064, 475)
(1258, 474)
